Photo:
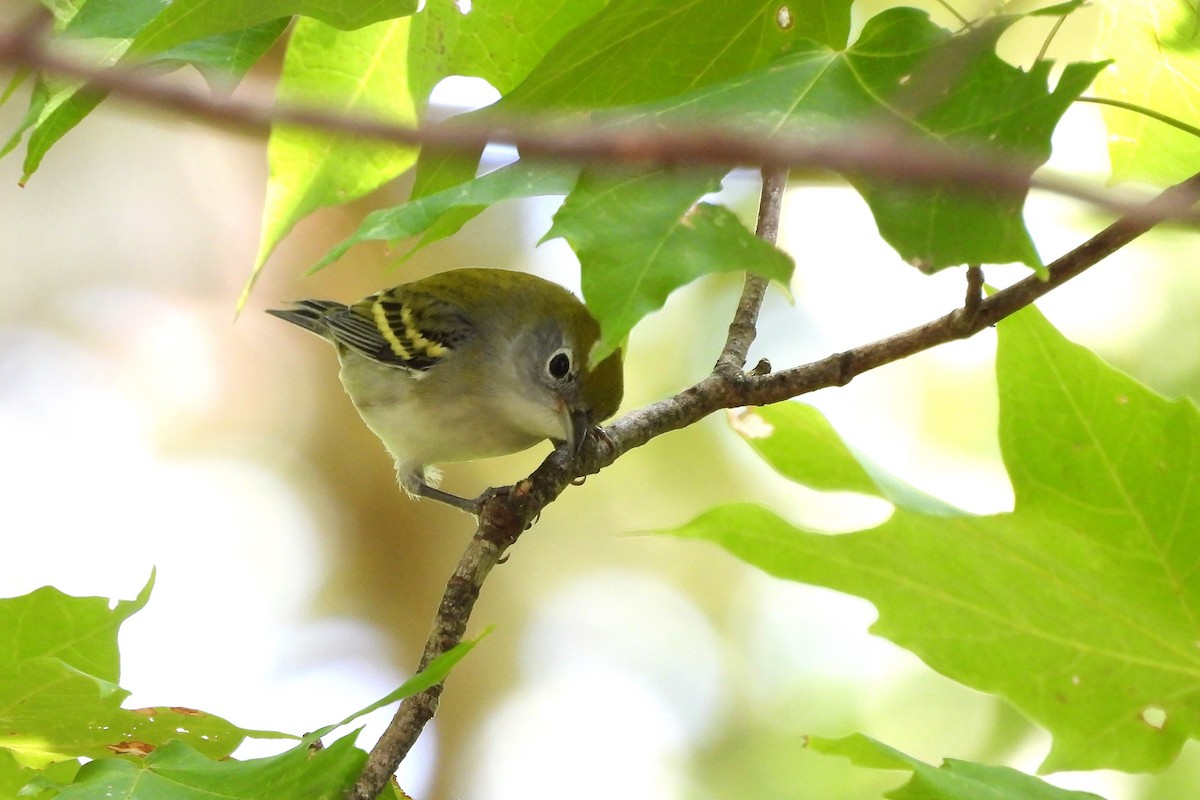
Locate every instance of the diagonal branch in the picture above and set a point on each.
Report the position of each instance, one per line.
(506, 515)
(498, 529)
(718, 391)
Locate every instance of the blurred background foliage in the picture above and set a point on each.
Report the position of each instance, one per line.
(142, 424)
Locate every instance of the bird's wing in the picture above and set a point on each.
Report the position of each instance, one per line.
(308, 314)
(400, 327)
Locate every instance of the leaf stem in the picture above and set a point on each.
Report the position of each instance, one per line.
(1145, 112)
(961, 19)
(1045, 48)
(506, 515)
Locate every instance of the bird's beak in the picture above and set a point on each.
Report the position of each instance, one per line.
(576, 423)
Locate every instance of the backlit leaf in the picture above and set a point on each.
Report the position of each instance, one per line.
(664, 242)
(180, 772)
(1082, 605)
(187, 20)
(953, 780)
(1156, 47)
(362, 72)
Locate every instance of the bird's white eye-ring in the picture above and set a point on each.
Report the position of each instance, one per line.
(559, 365)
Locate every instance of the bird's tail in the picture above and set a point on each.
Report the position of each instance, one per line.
(309, 314)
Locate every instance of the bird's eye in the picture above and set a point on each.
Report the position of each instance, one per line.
(559, 365)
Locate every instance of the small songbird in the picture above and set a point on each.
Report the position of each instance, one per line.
(467, 364)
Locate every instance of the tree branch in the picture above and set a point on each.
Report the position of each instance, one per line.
(506, 515)
(882, 151)
(742, 329)
(974, 295)
(497, 530)
(716, 391)
(877, 151)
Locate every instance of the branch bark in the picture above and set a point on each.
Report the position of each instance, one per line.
(505, 516)
(883, 151)
(497, 530)
(742, 329)
(880, 152)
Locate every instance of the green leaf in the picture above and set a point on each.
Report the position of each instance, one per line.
(438, 170)
(58, 693)
(896, 70)
(55, 114)
(786, 435)
(222, 55)
(1156, 45)
(80, 631)
(663, 48)
(639, 237)
(362, 72)
(434, 213)
(13, 776)
(634, 51)
(1082, 606)
(954, 780)
(17, 781)
(180, 772)
(187, 20)
(62, 10)
(499, 41)
(432, 675)
(111, 19)
(888, 72)
(1059, 9)
(37, 103)
(20, 74)
(56, 108)
(50, 711)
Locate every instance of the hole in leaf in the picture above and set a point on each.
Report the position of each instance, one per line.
(1155, 717)
(750, 424)
(783, 18)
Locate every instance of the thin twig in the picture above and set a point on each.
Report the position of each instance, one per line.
(1157, 116)
(1058, 23)
(961, 19)
(974, 296)
(882, 151)
(839, 369)
(716, 392)
(742, 329)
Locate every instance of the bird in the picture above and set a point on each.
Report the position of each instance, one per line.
(464, 364)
